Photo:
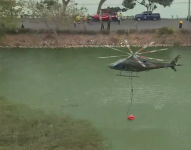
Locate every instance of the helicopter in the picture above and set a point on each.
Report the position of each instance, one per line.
(135, 62)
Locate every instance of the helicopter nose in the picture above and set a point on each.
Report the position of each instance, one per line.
(111, 66)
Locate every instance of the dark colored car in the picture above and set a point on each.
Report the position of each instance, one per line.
(147, 15)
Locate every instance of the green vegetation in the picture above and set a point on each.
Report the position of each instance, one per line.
(49, 12)
(165, 30)
(24, 128)
(160, 31)
(8, 16)
(114, 9)
(128, 4)
(184, 31)
(100, 5)
(150, 5)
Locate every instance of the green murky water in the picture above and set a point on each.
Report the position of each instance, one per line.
(76, 82)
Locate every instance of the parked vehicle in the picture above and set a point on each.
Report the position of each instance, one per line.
(147, 15)
(104, 17)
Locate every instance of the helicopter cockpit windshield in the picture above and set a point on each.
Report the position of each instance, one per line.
(117, 62)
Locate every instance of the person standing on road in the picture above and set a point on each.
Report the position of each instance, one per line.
(102, 25)
(180, 24)
(22, 26)
(74, 24)
(120, 15)
(78, 19)
(84, 22)
(110, 17)
(108, 25)
(119, 20)
(100, 17)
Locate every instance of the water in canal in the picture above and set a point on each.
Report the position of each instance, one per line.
(76, 82)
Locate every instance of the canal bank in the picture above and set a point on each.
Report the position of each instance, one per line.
(43, 39)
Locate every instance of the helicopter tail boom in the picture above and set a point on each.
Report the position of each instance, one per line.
(174, 63)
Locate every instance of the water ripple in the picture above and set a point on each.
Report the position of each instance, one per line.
(156, 95)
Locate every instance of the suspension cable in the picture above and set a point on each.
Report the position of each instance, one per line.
(128, 109)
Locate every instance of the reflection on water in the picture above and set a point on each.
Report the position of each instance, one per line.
(76, 82)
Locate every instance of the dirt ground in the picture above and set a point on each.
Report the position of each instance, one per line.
(69, 40)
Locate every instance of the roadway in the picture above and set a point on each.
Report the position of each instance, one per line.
(125, 24)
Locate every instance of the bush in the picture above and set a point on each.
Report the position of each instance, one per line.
(165, 30)
(41, 31)
(2, 34)
(25, 30)
(23, 128)
(148, 31)
(18, 31)
(133, 31)
(184, 31)
(121, 32)
(105, 32)
(114, 40)
(87, 32)
(65, 32)
(11, 31)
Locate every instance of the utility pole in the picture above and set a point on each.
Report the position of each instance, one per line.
(189, 11)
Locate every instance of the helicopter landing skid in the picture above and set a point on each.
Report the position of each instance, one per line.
(128, 75)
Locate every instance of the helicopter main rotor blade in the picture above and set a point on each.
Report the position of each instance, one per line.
(140, 62)
(112, 56)
(144, 47)
(128, 46)
(151, 58)
(154, 51)
(117, 49)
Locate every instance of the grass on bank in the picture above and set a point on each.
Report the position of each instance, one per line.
(23, 128)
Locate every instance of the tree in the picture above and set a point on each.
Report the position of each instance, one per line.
(151, 4)
(9, 12)
(114, 9)
(56, 14)
(66, 2)
(47, 3)
(129, 4)
(100, 5)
